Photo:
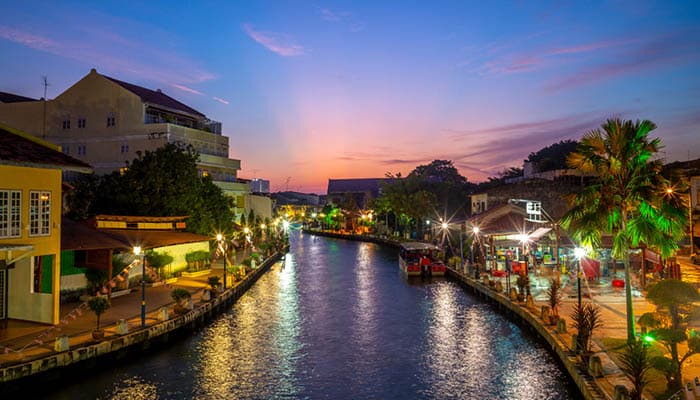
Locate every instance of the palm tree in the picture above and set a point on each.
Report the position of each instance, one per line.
(629, 198)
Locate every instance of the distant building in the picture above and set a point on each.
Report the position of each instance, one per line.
(260, 186)
(361, 190)
(104, 122)
(30, 225)
(296, 198)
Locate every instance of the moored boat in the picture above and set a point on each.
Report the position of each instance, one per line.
(416, 259)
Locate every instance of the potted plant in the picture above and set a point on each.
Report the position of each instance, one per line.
(98, 305)
(182, 300)
(554, 299)
(523, 283)
(214, 284)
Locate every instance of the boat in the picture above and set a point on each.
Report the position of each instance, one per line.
(420, 259)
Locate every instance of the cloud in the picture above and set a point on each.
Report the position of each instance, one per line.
(333, 16)
(652, 53)
(29, 40)
(113, 53)
(186, 89)
(220, 100)
(277, 43)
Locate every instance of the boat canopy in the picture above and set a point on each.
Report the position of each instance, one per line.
(413, 246)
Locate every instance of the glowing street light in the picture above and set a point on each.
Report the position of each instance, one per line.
(138, 252)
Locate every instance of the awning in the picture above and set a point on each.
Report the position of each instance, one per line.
(11, 253)
(538, 233)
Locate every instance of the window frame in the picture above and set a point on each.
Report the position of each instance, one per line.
(39, 213)
(13, 213)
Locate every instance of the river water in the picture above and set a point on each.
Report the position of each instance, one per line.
(336, 320)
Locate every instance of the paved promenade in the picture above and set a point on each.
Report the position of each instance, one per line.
(18, 338)
(613, 315)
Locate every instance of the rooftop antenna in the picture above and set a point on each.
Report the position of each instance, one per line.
(46, 85)
(286, 184)
(255, 172)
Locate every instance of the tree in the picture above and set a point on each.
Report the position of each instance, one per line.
(162, 182)
(98, 305)
(554, 156)
(636, 363)
(443, 181)
(626, 198)
(674, 307)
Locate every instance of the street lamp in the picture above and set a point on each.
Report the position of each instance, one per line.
(222, 243)
(137, 252)
(579, 252)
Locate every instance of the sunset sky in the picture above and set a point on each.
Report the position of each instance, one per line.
(309, 91)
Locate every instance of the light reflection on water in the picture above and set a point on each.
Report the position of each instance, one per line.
(337, 321)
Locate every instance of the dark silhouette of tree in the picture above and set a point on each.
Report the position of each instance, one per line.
(554, 156)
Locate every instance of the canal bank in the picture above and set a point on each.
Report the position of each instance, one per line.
(588, 386)
(88, 353)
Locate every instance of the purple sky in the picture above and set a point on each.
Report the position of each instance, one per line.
(311, 91)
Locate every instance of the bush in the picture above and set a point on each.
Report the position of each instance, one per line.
(214, 281)
(180, 295)
(554, 296)
(586, 318)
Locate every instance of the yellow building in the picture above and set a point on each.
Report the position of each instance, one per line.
(30, 225)
(104, 122)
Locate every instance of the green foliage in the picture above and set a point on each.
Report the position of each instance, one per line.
(627, 197)
(586, 319)
(214, 281)
(179, 295)
(96, 279)
(553, 157)
(635, 362)
(163, 182)
(554, 295)
(98, 305)
(158, 260)
(674, 301)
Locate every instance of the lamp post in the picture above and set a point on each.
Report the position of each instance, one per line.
(579, 252)
(137, 252)
(246, 231)
(222, 243)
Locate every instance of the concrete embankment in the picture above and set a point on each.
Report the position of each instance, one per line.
(117, 347)
(528, 318)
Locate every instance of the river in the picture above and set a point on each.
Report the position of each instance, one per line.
(336, 320)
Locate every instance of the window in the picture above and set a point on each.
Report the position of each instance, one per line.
(81, 122)
(125, 148)
(10, 213)
(110, 121)
(66, 149)
(82, 150)
(66, 124)
(42, 274)
(39, 213)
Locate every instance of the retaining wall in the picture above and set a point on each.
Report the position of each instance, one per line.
(137, 340)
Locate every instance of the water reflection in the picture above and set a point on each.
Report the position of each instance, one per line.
(336, 320)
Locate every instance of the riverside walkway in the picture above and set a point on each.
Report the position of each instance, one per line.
(613, 315)
(25, 349)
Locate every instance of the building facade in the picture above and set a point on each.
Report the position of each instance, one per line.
(30, 225)
(104, 122)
